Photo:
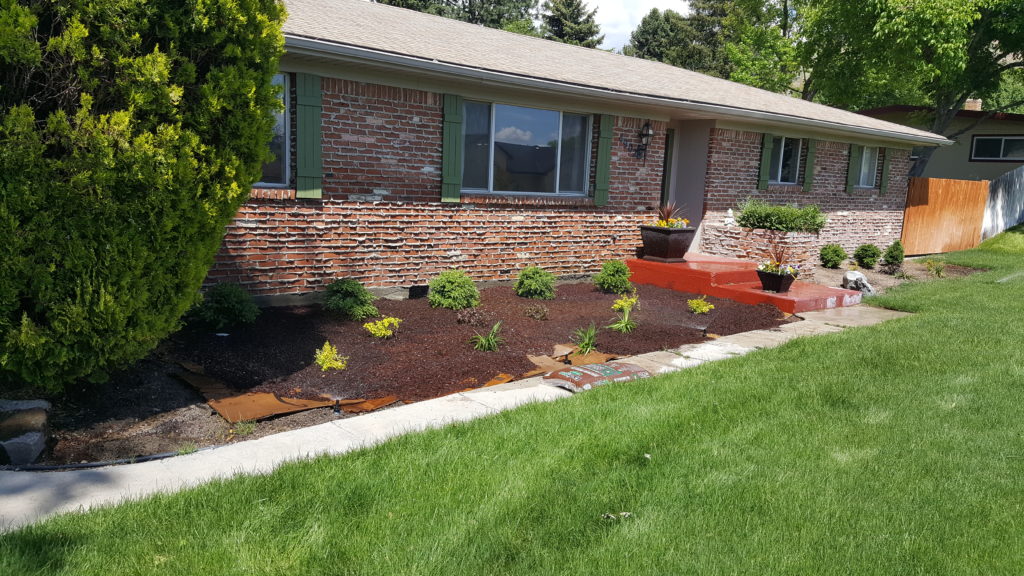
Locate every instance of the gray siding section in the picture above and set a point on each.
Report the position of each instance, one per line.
(1005, 207)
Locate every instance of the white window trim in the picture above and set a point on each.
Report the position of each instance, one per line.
(872, 174)
(287, 148)
(558, 159)
(776, 178)
(1002, 148)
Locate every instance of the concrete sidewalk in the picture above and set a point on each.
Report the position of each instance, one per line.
(26, 497)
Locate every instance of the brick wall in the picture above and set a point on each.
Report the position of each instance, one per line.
(750, 244)
(381, 220)
(863, 216)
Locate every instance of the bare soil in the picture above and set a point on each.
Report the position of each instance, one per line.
(913, 270)
(147, 410)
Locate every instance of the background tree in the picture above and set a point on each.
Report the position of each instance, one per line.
(659, 37)
(762, 39)
(525, 27)
(570, 22)
(933, 52)
(490, 13)
(704, 29)
(130, 133)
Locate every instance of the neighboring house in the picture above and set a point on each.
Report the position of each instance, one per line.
(412, 144)
(986, 151)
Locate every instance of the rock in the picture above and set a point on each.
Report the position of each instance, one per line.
(22, 431)
(853, 280)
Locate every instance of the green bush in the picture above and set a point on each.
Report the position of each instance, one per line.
(893, 256)
(756, 213)
(130, 134)
(535, 282)
(224, 306)
(350, 299)
(866, 255)
(453, 289)
(832, 255)
(614, 278)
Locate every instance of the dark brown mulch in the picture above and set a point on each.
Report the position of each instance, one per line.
(145, 410)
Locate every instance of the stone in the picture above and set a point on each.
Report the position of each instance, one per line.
(22, 431)
(854, 280)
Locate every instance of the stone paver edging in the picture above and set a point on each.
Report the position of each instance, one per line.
(26, 497)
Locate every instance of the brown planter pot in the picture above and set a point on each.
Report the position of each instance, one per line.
(775, 282)
(666, 244)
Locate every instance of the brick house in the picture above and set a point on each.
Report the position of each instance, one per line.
(411, 144)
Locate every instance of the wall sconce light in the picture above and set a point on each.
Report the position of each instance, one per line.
(646, 135)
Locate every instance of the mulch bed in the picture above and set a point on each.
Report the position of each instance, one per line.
(146, 410)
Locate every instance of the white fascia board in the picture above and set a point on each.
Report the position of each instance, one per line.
(322, 48)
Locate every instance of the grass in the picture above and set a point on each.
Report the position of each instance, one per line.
(895, 449)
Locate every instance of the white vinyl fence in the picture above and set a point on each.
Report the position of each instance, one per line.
(1005, 207)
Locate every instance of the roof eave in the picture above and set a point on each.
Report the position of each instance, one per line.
(315, 47)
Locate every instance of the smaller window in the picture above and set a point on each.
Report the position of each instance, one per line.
(785, 167)
(998, 148)
(868, 167)
(275, 172)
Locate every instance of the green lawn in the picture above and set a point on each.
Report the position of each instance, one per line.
(895, 449)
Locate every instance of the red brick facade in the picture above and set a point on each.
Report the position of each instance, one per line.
(381, 220)
(862, 216)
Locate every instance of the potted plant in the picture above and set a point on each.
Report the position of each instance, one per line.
(668, 239)
(775, 273)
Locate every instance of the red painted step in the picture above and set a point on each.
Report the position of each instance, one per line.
(737, 280)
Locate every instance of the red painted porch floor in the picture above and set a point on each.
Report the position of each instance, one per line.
(737, 280)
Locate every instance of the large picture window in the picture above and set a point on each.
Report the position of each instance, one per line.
(514, 149)
(275, 172)
(785, 167)
(998, 148)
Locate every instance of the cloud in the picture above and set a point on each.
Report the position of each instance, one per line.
(618, 18)
(513, 134)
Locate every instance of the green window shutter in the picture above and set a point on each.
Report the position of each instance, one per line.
(884, 184)
(809, 167)
(451, 149)
(604, 160)
(853, 169)
(309, 173)
(766, 161)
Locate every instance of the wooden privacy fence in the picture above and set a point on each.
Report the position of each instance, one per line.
(943, 215)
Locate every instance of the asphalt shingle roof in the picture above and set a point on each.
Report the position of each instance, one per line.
(432, 39)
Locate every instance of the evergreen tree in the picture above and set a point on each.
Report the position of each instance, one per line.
(659, 37)
(570, 22)
(490, 13)
(706, 53)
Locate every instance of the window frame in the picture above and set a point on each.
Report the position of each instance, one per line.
(777, 152)
(287, 147)
(588, 160)
(872, 173)
(973, 157)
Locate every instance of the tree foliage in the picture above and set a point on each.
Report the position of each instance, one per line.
(761, 42)
(130, 132)
(490, 13)
(705, 30)
(570, 22)
(659, 37)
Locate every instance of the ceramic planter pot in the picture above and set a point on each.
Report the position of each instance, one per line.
(666, 244)
(775, 282)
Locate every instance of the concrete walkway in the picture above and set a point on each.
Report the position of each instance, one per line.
(26, 497)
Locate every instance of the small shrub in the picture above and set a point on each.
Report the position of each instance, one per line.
(226, 305)
(383, 328)
(471, 316)
(867, 255)
(756, 213)
(935, 268)
(614, 278)
(624, 306)
(537, 312)
(892, 260)
(454, 290)
(489, 343)
(535, 282)
(832, 255)
(585, 339)
(902, 275)
(350, 299)
(700, 305)
(327, 358)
